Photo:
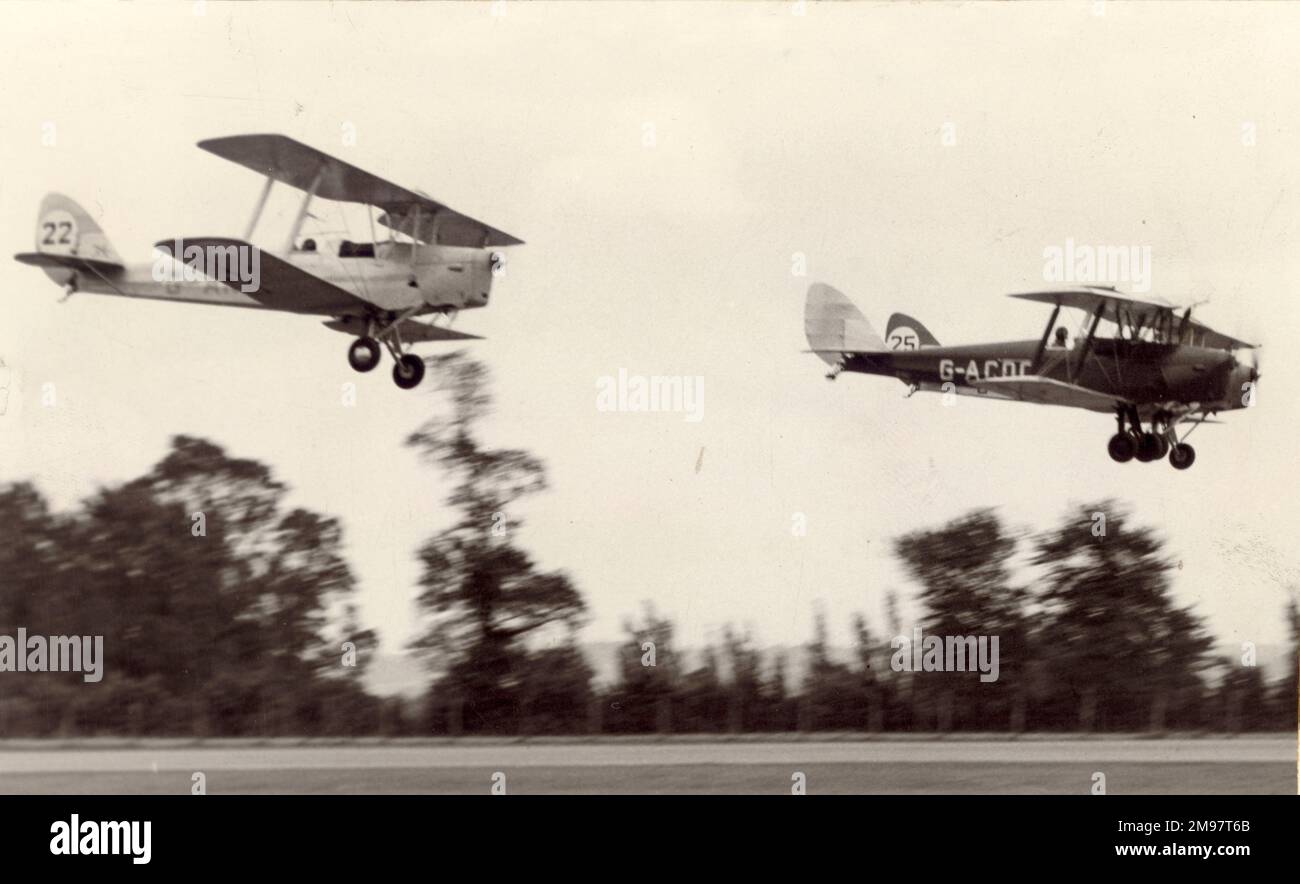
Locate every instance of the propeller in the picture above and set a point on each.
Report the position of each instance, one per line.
(1250, 389)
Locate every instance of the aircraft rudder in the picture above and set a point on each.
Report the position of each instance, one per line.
(63, 227)
(833, 324)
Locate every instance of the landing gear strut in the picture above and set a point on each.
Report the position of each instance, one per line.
(364, 353)
(1133, 441)
(1182, 456)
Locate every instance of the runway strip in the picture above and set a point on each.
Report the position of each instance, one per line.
(31, 757)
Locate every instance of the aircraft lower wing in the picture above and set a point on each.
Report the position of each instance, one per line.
(280, 285)
(411, 330)
(1047, 391)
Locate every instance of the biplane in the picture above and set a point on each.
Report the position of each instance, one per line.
(1154, 366)
(375, 290)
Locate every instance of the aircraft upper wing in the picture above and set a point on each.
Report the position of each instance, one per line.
(1089, 298)
(291, 162)
(1047, 391)
(1142, 310)
(280, 284)
(1204, 336)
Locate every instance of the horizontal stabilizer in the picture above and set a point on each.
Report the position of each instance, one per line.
(410, 330)
(69, 262)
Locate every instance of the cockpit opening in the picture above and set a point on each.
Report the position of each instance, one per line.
(348, 249)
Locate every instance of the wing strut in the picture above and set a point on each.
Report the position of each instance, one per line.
(1087, 343)
(257, 211)
(1184, 325)
(414, 282)
(302, 209)
(1042, 345)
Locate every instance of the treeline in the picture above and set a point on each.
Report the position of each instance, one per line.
(1096, 644)
(223, 613)
(226, 612)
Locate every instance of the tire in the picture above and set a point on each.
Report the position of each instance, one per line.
(1182, 456)
(1121, 447)
(363, 355)
(408, 371)
(1148, 447)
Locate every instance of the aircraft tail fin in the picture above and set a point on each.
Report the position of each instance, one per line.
(69, 241)
(902, 331)
(65, 228)
(834, 326)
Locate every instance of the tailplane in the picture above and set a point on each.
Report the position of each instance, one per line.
(68, 239)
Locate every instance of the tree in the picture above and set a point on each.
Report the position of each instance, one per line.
(642, 701)
(555, 692)
(963, 570)
(745, 685)
(1241, 701)
(215, 605)
(832, 696)
(1121, 654)
(780, 710)
(482, 598)
(875, 690)
(1287, 692)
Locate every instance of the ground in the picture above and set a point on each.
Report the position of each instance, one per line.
(849, 765)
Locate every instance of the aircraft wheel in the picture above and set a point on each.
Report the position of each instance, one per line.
(1182, 456)
(409, 371)
(1122, 447)
(1148, 448)
(363, 355)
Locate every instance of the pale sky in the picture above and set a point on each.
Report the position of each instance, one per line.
(665, 163)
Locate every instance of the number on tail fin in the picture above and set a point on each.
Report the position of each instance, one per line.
(903, 338)
(57, 233)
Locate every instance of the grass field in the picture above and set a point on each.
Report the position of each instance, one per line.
(1254, 765)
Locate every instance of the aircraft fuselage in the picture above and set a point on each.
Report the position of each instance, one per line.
(1140, 372)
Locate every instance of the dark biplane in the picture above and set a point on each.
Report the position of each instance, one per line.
(1155, 368)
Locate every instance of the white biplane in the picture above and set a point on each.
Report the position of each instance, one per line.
(445, 262)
